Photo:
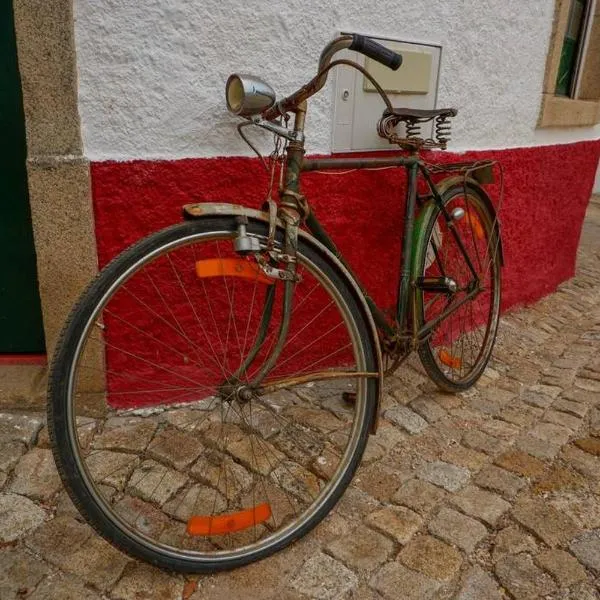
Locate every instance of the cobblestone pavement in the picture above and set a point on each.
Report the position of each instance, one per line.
(485, 495)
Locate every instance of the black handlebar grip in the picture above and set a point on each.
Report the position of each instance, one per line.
(376, 51)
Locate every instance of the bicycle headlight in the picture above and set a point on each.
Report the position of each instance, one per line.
(248, 95)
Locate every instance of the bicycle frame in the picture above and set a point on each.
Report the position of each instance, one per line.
(406, 329)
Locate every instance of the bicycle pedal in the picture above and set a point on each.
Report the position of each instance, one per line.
(349, 397)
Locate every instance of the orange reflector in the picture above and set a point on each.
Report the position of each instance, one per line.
(230, 523)
(476, 225)
(231, 267)
(454, 362)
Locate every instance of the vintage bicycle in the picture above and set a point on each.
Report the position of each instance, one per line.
(214, 388)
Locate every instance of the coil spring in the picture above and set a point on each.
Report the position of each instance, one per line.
(442, 129)
(413, 129)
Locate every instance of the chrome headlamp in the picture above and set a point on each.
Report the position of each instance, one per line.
(248, 95)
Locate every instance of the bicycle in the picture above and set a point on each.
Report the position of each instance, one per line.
(213, 390)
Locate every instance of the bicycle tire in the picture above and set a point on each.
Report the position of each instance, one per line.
(98, 506)
(438, 255)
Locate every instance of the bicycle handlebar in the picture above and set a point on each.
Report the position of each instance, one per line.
(354, 41)
(376, 51)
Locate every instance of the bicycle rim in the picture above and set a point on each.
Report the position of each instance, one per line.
(459, 347)
(197, 477)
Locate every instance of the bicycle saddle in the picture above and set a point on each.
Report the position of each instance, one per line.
(417, 113)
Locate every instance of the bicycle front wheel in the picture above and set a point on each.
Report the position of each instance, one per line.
(458, 348)
(159, 450)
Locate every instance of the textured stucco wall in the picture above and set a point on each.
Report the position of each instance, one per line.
(151, 74)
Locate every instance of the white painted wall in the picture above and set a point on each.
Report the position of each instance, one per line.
(152, 73)
(597, 184)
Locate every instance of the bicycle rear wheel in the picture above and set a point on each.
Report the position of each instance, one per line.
(160, 453)
(458, 349)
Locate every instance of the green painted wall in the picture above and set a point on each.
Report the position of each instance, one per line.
(21, 327)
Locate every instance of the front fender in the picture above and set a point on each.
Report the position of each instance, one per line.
(210, 209)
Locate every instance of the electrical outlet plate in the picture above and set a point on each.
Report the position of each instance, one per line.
(358, 106)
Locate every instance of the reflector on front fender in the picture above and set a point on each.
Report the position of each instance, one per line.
(231, 267)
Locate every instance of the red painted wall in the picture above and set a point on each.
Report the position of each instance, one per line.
(546, 192)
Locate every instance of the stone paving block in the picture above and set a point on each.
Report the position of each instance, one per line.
(577, 409)
(591, 445)
(549, 432)
(480, 504)
(362, 549)
(324, 578)
(586, 548)
(582, 591)
(551, 526)
(513, 540)
(356, 504)
(482, 442)
(154, 482)
(97, 562)
(536, 447)
(448, 401)
(478, 585)
(132, 435)
(373, 451)
(428, 408)
(499, 429)
(17, 427)
(587, 464)
(537, 398)
(431, 557)
(175, 448)
(10, 453)
(521, 414)
(560, 479)
(457, 529)
(406, 418)
(35, 475)
(521, 463)
(393, 577)
(500, 481)
(18, 515)
(564, 419)
(112, 468)
(389, 435)
(222, 473)
(562, 566)
(149, 583)
(421, 496)
(397, 522)
(381, 480)
(579, 395)
(404, 394)
(589, 385)
(63, 587)
(465, 457)
(519, 575)
(445, 475)
(58, 539)
(20, 572)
